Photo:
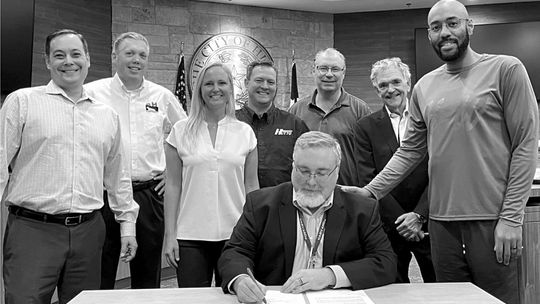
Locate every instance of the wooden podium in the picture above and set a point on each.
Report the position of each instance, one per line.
(529, 271)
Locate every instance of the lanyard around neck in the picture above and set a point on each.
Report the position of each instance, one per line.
(320, 232)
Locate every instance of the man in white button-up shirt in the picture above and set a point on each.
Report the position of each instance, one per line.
(147, 113)
(62, 147)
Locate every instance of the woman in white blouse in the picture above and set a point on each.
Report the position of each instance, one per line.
(211, 166)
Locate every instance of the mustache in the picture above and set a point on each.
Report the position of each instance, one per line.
(440, 44)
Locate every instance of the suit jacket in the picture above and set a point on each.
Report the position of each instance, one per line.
(375, 143)
(264, 239)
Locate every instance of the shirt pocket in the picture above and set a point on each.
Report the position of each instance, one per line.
(153, 121)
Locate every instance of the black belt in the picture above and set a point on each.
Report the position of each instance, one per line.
(66, 219)
(144, 185)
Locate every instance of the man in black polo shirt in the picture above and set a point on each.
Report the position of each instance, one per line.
(276, 130)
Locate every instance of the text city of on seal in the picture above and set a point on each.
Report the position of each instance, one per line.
(234, 50)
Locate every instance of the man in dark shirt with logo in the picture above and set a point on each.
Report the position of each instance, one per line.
(276, 130)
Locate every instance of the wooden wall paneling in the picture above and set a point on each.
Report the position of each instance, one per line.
(367, 37)
(530, 261)
(17, 31)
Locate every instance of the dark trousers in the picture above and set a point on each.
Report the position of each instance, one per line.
(463, 252)
(198, 263)
(40, 256)
(145, 268)
(404, 251)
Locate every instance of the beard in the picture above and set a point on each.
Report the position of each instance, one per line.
(462, 47)
(310, 199)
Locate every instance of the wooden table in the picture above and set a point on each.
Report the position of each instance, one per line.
(436, 293)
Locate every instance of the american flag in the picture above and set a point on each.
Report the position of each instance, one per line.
(294, 84)
(180, 88)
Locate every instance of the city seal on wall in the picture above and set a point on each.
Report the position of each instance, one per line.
(235, 51)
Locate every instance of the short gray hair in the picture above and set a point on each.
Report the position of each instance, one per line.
(317, 139)
(129, 35)
(394, 62)
(330, 51)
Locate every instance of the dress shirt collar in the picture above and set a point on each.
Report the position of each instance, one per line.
(324, 207)
(53, 89)
(395, 115)
(118, 82)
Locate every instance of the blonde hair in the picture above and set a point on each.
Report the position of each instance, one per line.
(198, 110)
(129, 35)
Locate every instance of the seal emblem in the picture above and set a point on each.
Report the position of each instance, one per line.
(234, 50)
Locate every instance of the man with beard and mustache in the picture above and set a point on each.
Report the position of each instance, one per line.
(308, 234)
(477, 118)
(276, 130)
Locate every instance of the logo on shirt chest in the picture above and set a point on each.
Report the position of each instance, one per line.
(151, 106)
(283, 132)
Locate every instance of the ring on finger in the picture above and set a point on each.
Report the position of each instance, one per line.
(301, 281)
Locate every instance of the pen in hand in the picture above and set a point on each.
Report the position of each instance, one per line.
(250, 274)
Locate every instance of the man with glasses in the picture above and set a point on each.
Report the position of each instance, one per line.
(276, 130)
(308, 234)
(477, 118)
(331, 109)
(377, 136)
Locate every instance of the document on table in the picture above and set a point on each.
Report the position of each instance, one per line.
(277, 297)
(334, 296)
(338, 296)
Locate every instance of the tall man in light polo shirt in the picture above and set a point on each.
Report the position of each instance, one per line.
(62, 147)
(330, 109)
(147, 112)
(276, 130)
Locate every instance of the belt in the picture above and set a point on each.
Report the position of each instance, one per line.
(144, 185)
(66, 219)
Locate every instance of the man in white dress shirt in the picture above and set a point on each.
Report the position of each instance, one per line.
(147, 113)
(62, 147)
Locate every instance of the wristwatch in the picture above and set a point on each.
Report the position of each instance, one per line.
(421, 219)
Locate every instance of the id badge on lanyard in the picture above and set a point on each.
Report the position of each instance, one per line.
(313, 260)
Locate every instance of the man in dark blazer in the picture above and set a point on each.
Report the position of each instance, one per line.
(404, 211)
(271, 237)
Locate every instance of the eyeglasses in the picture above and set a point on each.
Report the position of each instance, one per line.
(324, 69)
(317, 176)
(451, 23)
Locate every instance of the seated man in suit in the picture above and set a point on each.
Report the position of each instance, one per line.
(377, 136)
(308, 234)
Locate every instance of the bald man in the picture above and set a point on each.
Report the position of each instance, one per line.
(477, 117)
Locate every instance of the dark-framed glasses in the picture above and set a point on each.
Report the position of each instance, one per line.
(324, 69)
(318, 176)
(451, 23)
